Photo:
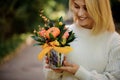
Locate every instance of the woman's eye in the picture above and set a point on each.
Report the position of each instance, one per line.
(76, 6)
(85, 8)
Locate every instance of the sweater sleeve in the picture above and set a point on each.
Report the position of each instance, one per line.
(112, 71)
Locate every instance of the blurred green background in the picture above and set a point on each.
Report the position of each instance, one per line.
(18, 18)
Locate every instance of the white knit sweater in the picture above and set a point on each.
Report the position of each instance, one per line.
(98, 56)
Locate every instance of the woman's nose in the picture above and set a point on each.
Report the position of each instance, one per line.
(81, 13)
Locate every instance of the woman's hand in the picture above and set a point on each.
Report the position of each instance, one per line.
(71, 68)
(47, 62)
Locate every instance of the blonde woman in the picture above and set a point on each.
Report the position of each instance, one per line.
(96, 50)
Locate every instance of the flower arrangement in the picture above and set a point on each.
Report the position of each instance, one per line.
(54, 37)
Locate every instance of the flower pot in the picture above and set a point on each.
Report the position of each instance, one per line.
(55, 59)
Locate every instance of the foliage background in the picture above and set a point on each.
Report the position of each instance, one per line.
(22, 16)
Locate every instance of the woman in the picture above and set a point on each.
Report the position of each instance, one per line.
(96, 50)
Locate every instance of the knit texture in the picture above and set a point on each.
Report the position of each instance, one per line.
(98, 56)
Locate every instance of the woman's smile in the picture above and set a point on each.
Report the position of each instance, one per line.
(82, 18)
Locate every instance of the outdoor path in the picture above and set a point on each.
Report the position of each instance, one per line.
(24, 66)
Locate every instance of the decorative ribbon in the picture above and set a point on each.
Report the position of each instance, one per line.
(53, 45)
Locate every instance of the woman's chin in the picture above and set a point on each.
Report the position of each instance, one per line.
(82, 24)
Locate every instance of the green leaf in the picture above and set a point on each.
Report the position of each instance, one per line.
(39, 39)
(57, 24)
(71, 37)
(67, 44)
(60, 19)
(34, 37)
(51, 24)
(46, 27)
(61, 34)
(36, 34)
(61, 27)
(51, 36)
(63, 41)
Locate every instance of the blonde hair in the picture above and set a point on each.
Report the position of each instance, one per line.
(100, 11)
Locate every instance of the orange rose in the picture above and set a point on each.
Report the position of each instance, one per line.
(54, 31)
(42, 32)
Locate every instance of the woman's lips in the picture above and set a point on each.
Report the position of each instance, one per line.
(82, 19)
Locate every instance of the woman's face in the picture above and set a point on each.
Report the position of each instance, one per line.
(80, 12)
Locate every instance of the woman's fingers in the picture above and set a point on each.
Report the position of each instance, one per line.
(65, 68)
(58, 70)
(67, 63)
(46, 60)
(64, 58)
(47, 66)
(72, 68)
